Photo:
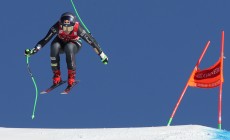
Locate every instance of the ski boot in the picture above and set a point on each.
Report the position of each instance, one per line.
(57, 77)
(56, 82)
(71, 81)
(71, 77)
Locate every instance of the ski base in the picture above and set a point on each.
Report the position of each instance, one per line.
(52, 87)
(68, 88)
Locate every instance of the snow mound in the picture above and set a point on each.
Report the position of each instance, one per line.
(183, 132)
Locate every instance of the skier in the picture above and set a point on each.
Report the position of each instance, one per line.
(68, 40)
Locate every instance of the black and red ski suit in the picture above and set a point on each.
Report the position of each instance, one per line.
(69, 44)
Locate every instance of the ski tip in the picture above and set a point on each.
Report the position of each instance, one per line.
(68, 88)
(33, 117)
(43, 92)
(64, 93)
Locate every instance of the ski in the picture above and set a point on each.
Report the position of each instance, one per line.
(52, 87)
(68, 88)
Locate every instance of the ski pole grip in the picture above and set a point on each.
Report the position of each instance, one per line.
(27, 51)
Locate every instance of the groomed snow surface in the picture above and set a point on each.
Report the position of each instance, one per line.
(183, 132)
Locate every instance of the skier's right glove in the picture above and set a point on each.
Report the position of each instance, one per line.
(29, 52)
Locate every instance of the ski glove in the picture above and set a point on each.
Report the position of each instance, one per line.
(29, 52)
(104, 58)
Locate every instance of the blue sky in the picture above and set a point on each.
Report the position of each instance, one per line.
(152, 48)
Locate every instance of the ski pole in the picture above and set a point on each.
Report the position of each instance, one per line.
(74, 7)
(35, 85)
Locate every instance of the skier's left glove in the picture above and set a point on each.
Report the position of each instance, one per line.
(29, 52)
(104, 58)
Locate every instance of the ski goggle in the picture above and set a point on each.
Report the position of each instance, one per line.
(67, 28)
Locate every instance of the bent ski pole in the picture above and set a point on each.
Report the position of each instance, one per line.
(35, 85)
(74, 7)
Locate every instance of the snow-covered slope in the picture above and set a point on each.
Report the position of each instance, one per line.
(186, 132)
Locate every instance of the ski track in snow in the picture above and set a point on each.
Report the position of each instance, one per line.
(183, 132)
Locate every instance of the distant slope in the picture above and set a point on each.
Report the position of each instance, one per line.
(184, 132)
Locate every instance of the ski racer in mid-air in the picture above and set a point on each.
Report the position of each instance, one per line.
(68, 40)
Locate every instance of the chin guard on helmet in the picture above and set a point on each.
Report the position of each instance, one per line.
(67, 28)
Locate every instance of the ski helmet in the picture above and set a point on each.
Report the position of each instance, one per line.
(67, 19)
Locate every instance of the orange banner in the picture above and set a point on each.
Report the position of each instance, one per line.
(207, 78)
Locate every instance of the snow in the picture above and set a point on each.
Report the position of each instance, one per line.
(183, 132)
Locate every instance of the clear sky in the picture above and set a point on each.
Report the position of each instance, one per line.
(152, 48)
